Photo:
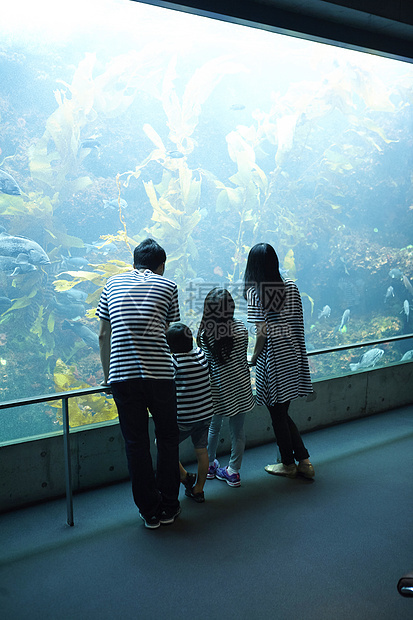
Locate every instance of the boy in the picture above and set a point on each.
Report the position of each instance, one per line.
(194, 403)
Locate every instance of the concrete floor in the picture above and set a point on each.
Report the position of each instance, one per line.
(274, 548)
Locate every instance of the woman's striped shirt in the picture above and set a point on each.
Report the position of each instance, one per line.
(282, 371)
(193, 388)
(138, 306)
(231, 382)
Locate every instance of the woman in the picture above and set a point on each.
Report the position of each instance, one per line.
(225, 342)
(282, 372)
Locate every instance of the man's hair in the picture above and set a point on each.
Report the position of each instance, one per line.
(179, 338)
(148, 255)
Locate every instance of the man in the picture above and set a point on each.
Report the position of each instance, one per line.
(135, 310)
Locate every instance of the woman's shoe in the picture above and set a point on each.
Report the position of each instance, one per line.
(279, 469)
(306, 470)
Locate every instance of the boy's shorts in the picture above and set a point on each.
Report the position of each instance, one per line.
(197, 431)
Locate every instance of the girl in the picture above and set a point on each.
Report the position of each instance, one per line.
(282, 372)
(225, 342)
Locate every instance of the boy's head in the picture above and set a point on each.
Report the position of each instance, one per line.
(179, 338)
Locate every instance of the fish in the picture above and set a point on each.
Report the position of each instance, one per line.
(76, 295)
(368, 359)
(396, 273)
(114, 204)
(23, 265)
(83, 332)
(237, 106)
(389, 293)
(8, 185)
(407, 356)
(344, 319)
(406, 309)
(90, 143)
(77, 262)
(351, 291)
(407, 284)
(14, 245)
(69, 310)
(175, 154)
(345, 266)
(5, 303)
(7, 264)
(325, 312)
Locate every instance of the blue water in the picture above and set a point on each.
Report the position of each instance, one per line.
(209, 137)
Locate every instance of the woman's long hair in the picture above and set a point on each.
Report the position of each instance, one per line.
(216, 325)
(263, 274)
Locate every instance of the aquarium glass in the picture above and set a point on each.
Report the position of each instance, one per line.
(120, 120)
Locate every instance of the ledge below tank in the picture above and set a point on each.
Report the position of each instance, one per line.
(33, 471)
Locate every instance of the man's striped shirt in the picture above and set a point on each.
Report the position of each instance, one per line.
(138, 306)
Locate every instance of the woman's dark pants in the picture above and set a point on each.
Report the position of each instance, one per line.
(288, 438)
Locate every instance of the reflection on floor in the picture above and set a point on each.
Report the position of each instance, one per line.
(272, 549)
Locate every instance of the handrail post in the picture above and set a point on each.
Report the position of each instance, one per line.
(68, 467)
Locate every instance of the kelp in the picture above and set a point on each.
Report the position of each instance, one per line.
(87, 409)
(43, 328)
(98, 278)
(289, 264)
(176, 213)
(53, 168)
(183, 117)
(108, 95)
(251, 188)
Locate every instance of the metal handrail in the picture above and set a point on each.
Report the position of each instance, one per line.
(64, 397)
(355, 345)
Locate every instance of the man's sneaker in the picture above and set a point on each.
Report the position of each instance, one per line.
(168, 516)
(279, 469)
(212, 470)
(232, 479)
(150, 522)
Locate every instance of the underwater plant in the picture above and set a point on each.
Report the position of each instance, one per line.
(183, 117)
(87, 409)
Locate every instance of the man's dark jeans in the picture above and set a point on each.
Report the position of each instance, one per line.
(133, 398)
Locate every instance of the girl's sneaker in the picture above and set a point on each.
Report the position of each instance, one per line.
(212, 470)
(233, 480)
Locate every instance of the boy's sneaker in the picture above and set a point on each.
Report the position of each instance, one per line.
(150, 522)
(233, 480)
(189, 481)
(212, 470)
(198, 497)
(168, 516)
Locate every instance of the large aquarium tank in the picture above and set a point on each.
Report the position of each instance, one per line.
(120, 120)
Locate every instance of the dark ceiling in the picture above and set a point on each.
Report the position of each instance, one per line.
(382, 26)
